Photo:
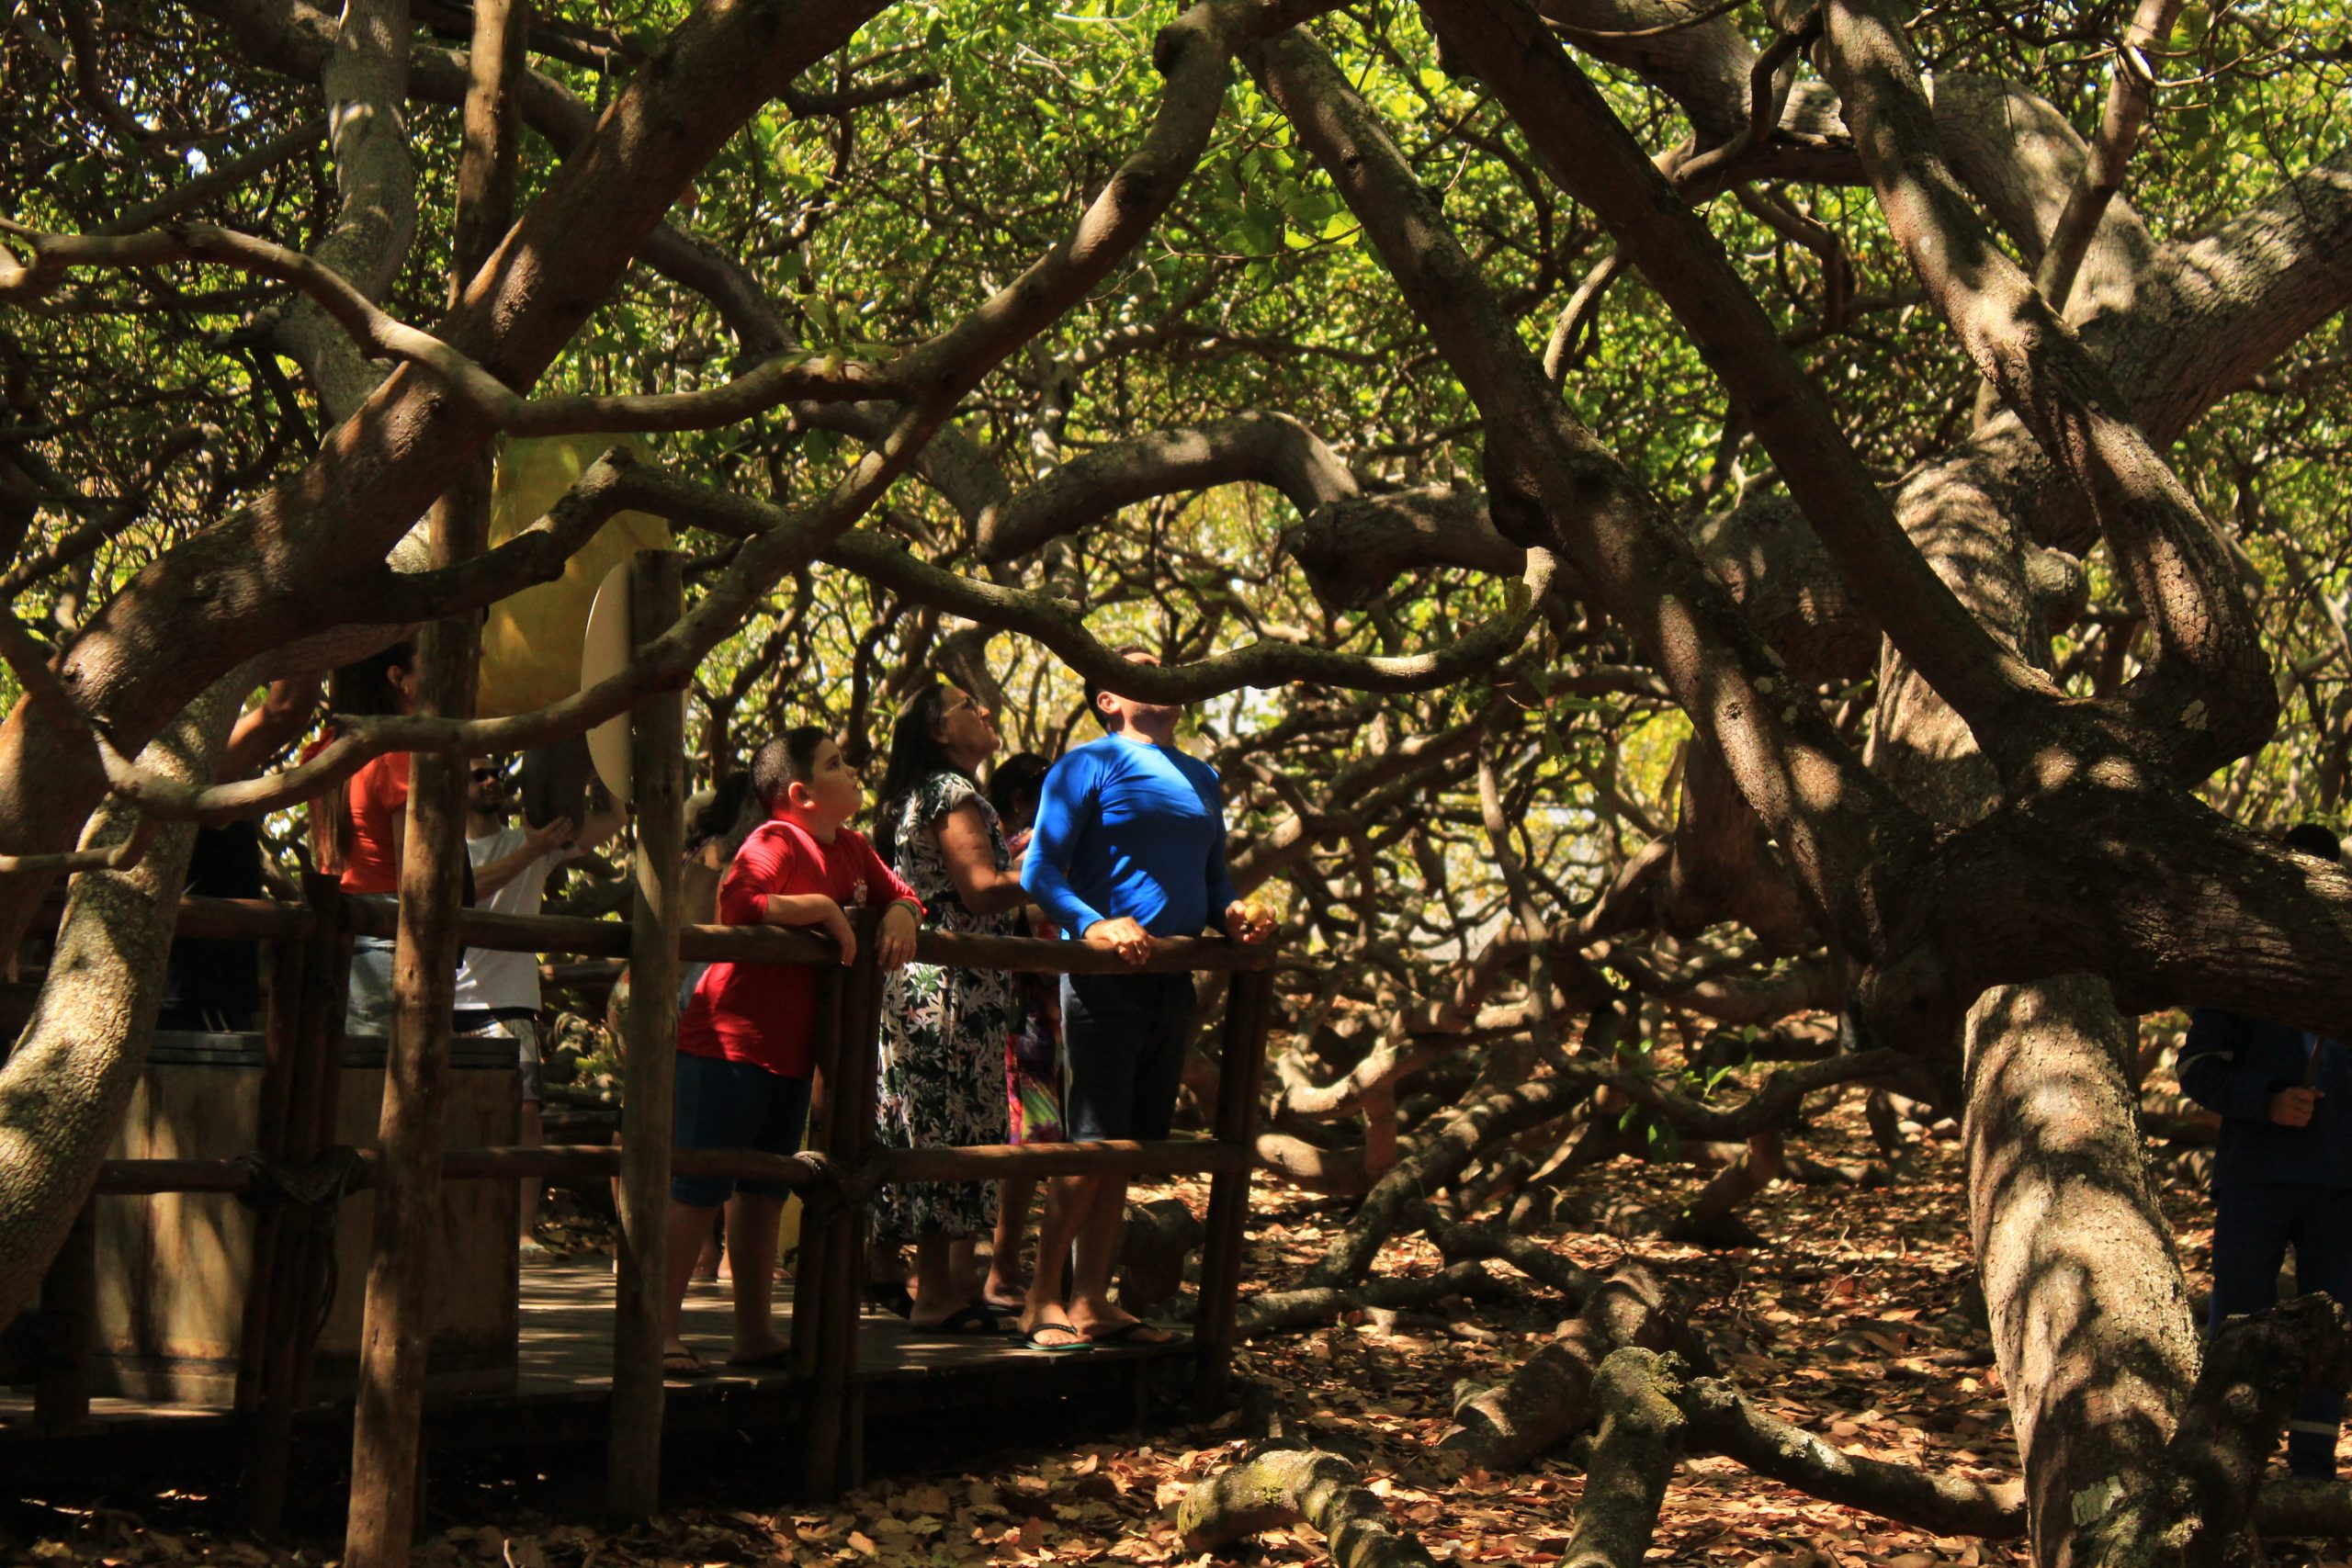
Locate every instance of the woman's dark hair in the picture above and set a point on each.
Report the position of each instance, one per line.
(1018, 780)
(916, 754)
(717, 817)
(364, 686)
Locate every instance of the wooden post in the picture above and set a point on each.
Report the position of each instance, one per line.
(848, 1136)
(649, 1044)
(69, 1307)
(818, 1231)
(281, 1049)
(389, 1417)
(1248, 1007)
(307, 1007)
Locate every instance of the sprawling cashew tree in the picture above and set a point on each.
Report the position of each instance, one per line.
(1689, 514)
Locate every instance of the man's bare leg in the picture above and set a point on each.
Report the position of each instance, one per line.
(1091, 1308)
(751, 1249)
(1068, 1201)
(688, 1224)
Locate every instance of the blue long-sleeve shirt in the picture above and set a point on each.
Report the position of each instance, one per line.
(1130, 830)
(2234, 1064)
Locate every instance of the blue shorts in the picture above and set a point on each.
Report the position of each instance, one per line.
(734, 1105)
(1123, 1038)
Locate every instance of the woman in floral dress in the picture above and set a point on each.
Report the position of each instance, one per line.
(944, 1030)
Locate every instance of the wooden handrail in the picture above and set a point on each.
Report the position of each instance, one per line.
(1021, 1162)
(580, 936)
(580, 1162)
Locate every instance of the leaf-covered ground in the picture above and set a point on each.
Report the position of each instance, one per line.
(1857, 1321)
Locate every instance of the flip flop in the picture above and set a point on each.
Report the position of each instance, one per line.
(961, 1324)
(891, 1296)
(1017, 1303)
(1135, 1331)
(681, 1365)
(1077, 1342)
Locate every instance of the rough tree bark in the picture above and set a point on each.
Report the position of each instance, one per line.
(70, 1080)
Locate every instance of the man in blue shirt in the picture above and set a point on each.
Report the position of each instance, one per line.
(1128, 847)
(2282, 1172)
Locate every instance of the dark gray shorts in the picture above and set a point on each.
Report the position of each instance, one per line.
(1123, 1053)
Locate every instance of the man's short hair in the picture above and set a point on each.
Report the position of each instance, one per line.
(1094, 688)
(2313, 839)
(789, 760)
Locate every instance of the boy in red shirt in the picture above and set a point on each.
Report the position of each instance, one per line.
(744, 1045)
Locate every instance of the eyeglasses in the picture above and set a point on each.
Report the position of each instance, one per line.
(484, 775)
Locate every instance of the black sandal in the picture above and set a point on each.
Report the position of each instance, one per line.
(962, 1323)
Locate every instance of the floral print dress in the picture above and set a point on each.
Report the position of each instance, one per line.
(943, 1032)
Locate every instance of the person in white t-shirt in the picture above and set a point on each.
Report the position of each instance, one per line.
(498, 993)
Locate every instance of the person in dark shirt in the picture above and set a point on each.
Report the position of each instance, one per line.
(2282, 1172)
(215, 985)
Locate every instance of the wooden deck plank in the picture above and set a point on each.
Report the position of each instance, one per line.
(564, 1357)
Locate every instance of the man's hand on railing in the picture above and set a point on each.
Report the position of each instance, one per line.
(1248, 920)
(1122, 936)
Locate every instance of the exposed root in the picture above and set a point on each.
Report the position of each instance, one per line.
(1551, 1397)
(1277, 1312)
(1290, 1484)
(1633, 1457)
(1723, 1421)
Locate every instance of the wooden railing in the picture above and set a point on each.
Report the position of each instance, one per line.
(309, 954)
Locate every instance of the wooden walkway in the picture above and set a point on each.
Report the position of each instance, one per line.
(563, 1384)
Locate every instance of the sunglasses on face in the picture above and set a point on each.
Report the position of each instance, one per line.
(485, 775)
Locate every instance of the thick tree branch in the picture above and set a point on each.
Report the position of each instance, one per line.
(1723, 1421)
(1633, 1456)
(2207, 695)
(784, 378)
(1285, 1486)
(2128, 100)
(1270, 448)
(365, 80)
(1598, 161)
(1549, 479)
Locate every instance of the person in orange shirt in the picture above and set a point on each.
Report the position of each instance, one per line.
(357, 829)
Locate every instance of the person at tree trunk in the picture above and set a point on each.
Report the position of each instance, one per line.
(497, 992)
(215, 985)
(1129, 847)
(746, 1041)
(942, 1074)
(2283, 1173)
(1032, 1049)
